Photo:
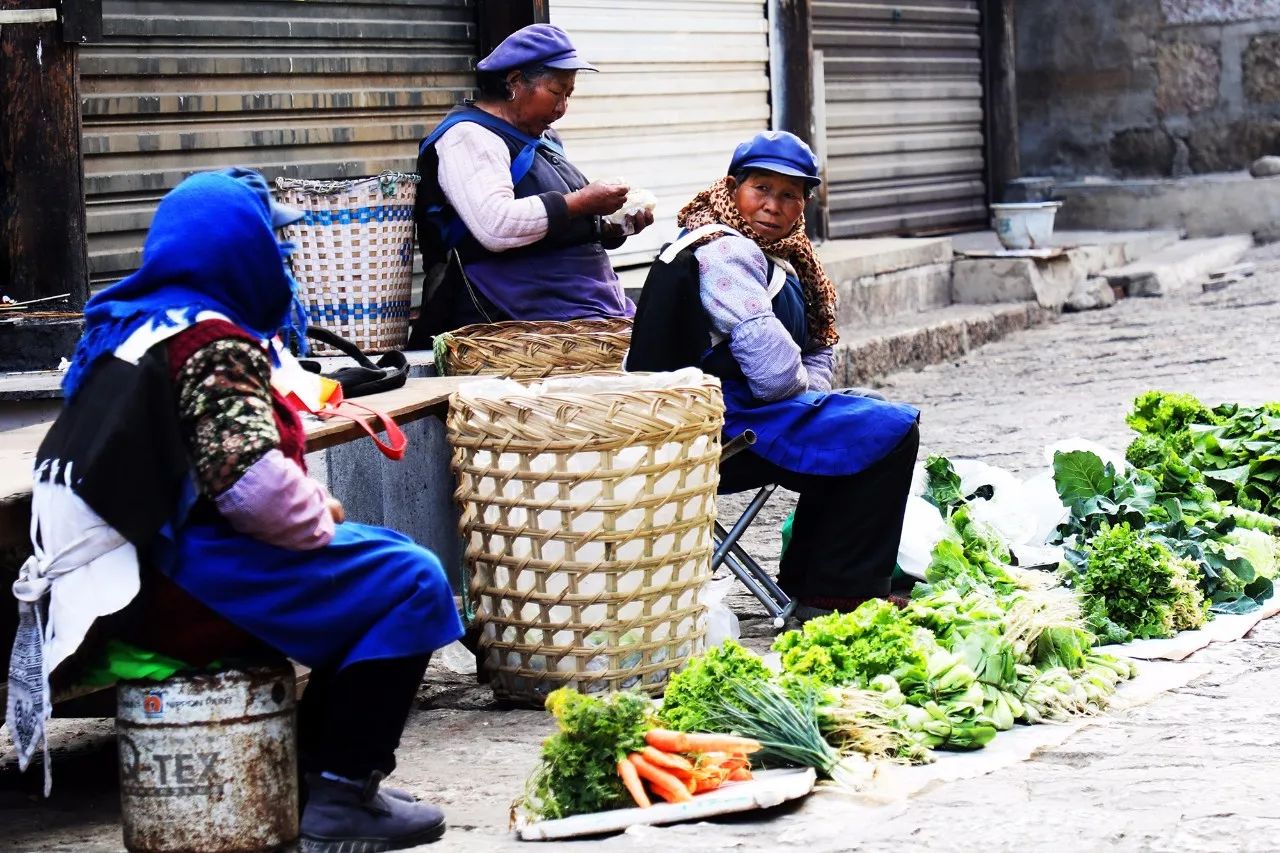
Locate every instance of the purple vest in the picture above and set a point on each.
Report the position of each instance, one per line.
(564, 276)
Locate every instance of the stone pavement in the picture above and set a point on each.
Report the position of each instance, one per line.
(1189, 771)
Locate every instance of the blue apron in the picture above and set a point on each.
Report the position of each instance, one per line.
(832, 434)
(369, 594)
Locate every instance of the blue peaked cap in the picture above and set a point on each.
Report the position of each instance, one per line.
(777, 151)
(537, 44)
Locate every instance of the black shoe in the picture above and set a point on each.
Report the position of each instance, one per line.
(341, 817)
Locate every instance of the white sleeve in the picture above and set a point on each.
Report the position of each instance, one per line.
(475, 175)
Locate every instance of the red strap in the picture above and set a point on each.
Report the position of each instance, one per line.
(393, 448)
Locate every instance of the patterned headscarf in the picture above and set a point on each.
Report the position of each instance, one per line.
(716, 204)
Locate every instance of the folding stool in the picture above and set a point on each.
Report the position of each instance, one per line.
(730, 553)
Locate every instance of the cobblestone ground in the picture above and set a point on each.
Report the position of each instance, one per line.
(1192, 770)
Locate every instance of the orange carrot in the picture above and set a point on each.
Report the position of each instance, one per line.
(677, 765)
(631, 779)
(663, 783)
(742, 774)
(669, 741)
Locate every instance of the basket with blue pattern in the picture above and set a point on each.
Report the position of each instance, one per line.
(354, 261)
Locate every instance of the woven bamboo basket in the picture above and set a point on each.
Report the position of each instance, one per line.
(354, 261)
(527, 350)
(587, 511)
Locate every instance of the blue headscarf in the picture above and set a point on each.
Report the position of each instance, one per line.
(211, 247)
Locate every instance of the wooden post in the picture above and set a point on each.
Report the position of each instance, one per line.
(497, 19)
(793, 86)
(1001, 77)
(43, 249)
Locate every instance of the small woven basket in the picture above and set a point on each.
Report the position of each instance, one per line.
(587, 512)
(354, 261)
(527, 350)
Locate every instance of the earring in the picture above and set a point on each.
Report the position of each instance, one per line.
(511, 96)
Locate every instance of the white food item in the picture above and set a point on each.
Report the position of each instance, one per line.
(638, 201)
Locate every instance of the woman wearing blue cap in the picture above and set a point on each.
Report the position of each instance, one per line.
(172, 514)
(742, 294)
(510, 229)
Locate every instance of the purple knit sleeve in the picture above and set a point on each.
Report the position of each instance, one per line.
(733, 276)
(276, 502)
(820, 365)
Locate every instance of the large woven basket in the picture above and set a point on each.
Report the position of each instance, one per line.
(354, 261)
(587, 512)
(534, 350)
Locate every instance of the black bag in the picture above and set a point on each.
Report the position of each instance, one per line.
(390, 371)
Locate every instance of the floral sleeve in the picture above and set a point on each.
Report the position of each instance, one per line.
(224, 406)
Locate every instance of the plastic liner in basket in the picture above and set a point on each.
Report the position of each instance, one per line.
(587, 512)
(354, 256)
(525, 350)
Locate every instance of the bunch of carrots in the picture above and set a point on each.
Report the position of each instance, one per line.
(677, 765)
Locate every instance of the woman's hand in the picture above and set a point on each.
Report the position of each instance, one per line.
(336, 511)
(596, 199)
(640, 221)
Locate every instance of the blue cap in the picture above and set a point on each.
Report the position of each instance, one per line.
(281, 214)
(537, 44)
(777, 151)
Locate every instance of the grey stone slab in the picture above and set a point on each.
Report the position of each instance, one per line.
(874, 299)
(1202, 206)
(1180, 268)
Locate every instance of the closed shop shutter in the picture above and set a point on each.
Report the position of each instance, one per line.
(903, 114)
(681, 83)
(310, 90)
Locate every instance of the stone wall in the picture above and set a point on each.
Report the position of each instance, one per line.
(1147, 88)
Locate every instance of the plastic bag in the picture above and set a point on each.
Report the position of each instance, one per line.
(1041, 500)
(722, 623)
(922, 529)
(1005, 510)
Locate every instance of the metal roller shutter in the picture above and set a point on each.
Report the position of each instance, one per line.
(903, 114)
(682, 82)
(312, 90)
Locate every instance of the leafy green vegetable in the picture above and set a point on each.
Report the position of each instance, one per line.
(1137, 583)
(700, 685)
(1259, 548)
(1098, 495)
(942, 484)
(851, 648)
(578, 771)
(1240, 456)
(1168, 417)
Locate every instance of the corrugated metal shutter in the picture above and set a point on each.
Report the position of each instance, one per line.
(903, 113)
(311, 90)
(682, 82)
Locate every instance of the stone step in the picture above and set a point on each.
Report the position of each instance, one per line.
(1180, 268)
(1094, 250)
(1210, 205)
(982, 274)
(930, 337)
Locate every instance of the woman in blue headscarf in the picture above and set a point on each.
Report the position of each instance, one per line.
(224, 545)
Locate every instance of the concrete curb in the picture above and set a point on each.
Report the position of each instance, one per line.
(932, 338)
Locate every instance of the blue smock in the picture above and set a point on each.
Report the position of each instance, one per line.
(370, 594)
(832, 433)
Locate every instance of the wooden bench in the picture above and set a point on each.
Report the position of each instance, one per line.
(419, 398)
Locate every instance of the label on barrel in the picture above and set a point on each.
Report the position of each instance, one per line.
(169, 774)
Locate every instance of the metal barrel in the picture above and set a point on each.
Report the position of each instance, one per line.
(208, 762)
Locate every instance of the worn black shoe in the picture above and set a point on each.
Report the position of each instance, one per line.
(344, 818)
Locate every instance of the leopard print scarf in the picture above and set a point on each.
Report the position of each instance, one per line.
(716, 204)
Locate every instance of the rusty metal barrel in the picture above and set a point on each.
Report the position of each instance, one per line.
(208, 762)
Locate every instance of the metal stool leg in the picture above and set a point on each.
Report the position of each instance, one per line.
(753, 576)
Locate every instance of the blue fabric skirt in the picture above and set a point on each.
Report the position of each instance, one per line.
(370, 594)
(833, 434)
